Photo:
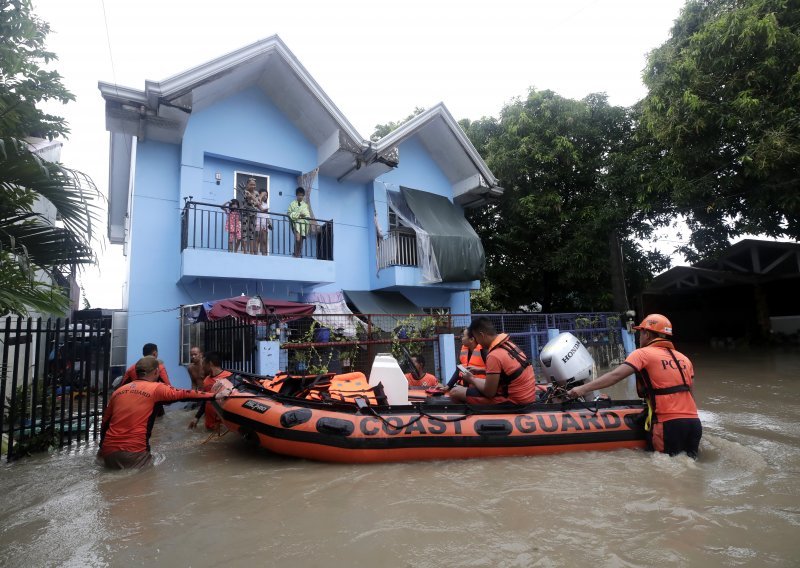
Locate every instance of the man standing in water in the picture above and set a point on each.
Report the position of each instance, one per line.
(664, 377)
(149, 350)
(212, 368)
(195, 367)
(129, 417)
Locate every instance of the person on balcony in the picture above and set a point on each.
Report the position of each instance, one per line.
(263, 224)
(249, 212)
(421, 378)
(233, 224)
(299, 214)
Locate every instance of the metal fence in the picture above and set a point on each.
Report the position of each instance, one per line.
(235, 341)
(397, 249)
(599, 332)
(346, 342)
(209, 226)
(55, 379)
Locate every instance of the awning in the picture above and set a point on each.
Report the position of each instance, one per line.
(456, 246)
(235, 307)
(394, 304)
(332, 312)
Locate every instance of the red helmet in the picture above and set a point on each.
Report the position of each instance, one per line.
(656, 323)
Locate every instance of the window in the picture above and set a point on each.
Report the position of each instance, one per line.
(119, 339)
(396, 222)
(192, 331)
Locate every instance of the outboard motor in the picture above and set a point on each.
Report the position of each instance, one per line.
(566, 361)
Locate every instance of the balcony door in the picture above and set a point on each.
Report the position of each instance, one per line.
(260, 219)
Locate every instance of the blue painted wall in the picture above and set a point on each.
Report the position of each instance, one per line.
(246, 132)
(153, 254)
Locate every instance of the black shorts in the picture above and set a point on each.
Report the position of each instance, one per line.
(676, 436)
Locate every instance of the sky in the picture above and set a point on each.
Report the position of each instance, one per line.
(377, 61)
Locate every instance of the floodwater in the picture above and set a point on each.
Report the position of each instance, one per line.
(210, 502)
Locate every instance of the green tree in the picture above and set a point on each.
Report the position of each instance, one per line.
(31, 244)
(568, 169)
(482, 300)
(382, 130)
(723, 105)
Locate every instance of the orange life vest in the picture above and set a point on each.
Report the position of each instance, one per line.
(345, 388)
(475, 359)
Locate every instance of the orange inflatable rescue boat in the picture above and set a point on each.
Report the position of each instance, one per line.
(347, 418)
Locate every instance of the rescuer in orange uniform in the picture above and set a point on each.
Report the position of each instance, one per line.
(472, 355)
(212, 367)
(425, 378)
(664, 377)
(509, 374)
(129, 417)
(149, 350)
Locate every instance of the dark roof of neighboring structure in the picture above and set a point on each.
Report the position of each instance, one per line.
(748, 261)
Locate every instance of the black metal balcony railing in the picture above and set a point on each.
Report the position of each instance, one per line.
(208, 226)
(397, 249)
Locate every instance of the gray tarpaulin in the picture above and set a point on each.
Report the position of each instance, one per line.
(382, 303)
(427, 259)
(456, 246)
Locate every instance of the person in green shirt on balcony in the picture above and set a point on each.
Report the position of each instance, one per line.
(299, 214)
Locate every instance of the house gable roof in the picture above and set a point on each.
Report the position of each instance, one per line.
(437, 130)
(161, 111)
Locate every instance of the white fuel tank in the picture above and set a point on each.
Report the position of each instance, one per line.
(386, 370)
(565, 358)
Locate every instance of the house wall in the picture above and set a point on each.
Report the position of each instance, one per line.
(246, 132)
(154, 247)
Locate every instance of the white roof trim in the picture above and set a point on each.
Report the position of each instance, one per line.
(410, 128)
(178, 84)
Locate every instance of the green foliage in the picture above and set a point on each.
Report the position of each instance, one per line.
(24, 82)
(723, 108)
(567, 167)
(413, 327)
(482, 300)
(31, 244)
(382, 130)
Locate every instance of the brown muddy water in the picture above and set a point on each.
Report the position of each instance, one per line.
(223, 503)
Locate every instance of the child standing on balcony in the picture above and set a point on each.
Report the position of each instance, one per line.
(299, 214)
(263, 224)
(233, 224)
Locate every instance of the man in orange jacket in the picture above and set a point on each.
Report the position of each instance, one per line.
(509, 374)
(212, 367)
(664, 377)
(129, 417)
(149, 350)
(425, 378)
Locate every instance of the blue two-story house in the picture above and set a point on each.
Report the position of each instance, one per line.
(385, 216)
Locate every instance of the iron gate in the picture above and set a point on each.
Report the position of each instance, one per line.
(55, 379)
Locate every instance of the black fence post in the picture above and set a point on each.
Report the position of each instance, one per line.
(12, 415)
(5, 425)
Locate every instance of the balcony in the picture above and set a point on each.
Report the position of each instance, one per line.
(399, 264)
(210, 249)
(398, 249)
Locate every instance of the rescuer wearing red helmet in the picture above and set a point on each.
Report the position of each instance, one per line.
(664, 377)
